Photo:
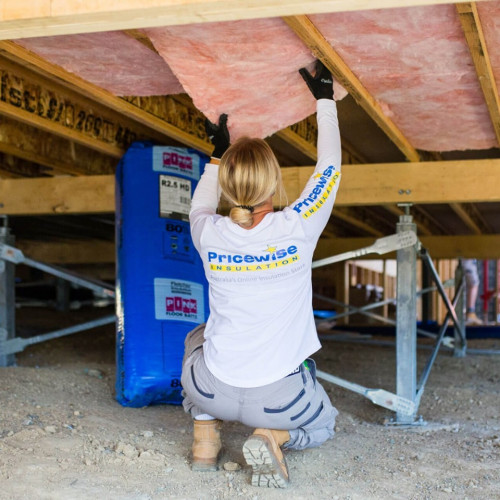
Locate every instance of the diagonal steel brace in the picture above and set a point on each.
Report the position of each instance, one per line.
(16, 256)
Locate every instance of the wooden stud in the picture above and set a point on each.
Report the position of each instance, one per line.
(319, 46)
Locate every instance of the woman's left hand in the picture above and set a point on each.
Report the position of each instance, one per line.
(218, 135)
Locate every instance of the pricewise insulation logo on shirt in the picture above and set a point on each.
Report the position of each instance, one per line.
(270, 258)
(320, 193)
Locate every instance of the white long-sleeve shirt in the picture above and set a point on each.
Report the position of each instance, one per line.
(261, 323)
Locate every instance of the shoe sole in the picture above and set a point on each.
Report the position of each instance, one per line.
(267, 471)
(200, 465)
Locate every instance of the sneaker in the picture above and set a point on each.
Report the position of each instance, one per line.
(472, 319)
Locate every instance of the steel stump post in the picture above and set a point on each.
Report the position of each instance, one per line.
(406, 319)
(7, 295)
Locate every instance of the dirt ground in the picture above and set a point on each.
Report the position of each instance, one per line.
(63, 436)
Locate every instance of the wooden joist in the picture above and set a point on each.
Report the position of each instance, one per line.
(320, 47)
(298, 142)
(473, 31)
(59, 155)
(380, 184)
(45, 96)
(470, 216)
(120, 120)
(352, 218)
(31, 118)
(22, 19)
(303, 136)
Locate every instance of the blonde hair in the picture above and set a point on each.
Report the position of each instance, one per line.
(249, 174)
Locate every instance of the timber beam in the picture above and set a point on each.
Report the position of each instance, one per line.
(361, 185)
(58, 195)
(103, 252)
(459, 181)
(69, 251)
(56, 17)
(439, 247)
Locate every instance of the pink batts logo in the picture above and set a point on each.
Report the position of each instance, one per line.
(180, 304)
(177, 160)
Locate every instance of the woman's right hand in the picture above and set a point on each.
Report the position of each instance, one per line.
(321, 84)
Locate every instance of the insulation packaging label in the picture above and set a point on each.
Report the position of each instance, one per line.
(175, 197)
(176, 161)
(179, 300)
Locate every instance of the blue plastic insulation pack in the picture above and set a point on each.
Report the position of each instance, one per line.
(162, 292)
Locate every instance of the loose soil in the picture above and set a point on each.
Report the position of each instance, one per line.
(63, 435)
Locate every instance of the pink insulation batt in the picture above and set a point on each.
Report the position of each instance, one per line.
(414, 61)
(247, 69)
(113, 60)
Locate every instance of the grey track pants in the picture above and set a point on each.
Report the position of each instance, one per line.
(297, 403)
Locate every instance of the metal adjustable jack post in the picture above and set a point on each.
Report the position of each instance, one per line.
(406, 319)
(409, 388)
(406, 330)
(405, 240)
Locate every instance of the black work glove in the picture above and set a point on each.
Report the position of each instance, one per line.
(321, 85)
(218, 135)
